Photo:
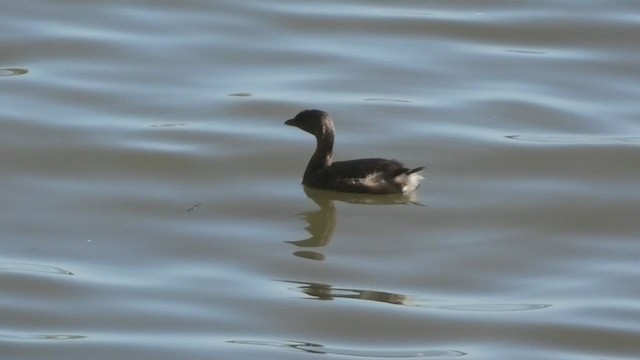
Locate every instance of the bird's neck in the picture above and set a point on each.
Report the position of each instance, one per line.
(323, 156)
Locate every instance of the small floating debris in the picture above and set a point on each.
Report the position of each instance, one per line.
(194, 207)
(240, 94)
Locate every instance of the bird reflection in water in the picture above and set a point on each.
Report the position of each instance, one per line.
(321, 291)
(322, 222)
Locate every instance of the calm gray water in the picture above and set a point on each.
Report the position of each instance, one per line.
(151, 208)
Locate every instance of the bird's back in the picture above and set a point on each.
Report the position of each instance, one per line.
(371, 175)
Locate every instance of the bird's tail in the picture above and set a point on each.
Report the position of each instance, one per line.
(406, 172)
(413, 171)
(408, 179)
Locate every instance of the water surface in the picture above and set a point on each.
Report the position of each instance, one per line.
(151, 204)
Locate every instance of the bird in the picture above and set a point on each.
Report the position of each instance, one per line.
(367, 176)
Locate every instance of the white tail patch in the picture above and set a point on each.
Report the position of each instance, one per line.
(409, 182)
(377, 183)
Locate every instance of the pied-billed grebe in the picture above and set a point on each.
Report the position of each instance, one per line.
(370, 176)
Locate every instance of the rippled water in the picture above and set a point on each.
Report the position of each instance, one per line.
(151, 205)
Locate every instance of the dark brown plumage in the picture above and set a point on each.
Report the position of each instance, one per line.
(371, 175)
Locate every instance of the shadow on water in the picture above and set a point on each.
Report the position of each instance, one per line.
(322, 222)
